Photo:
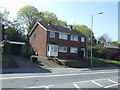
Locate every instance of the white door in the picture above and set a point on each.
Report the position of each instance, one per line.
(52, 50)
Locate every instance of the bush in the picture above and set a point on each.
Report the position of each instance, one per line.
(99, 51)
(81, 54)
(7, 48)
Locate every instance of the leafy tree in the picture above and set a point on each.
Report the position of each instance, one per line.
(28, 15)
(87, 32)
(14, 35)
(4, 22)
(104, 38)
(61, 23)
(48, 16)
(4, 16)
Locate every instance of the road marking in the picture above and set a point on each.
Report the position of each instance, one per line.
(112, 81)
(94, 81)
(97, 83)
(76, 86)
(60, 75)
(112, 85)
(46, 86)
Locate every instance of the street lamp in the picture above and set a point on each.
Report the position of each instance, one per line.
(91, 33)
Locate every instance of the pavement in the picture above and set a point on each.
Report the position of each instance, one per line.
(44, 66)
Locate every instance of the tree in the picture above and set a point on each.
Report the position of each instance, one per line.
(48, 16)
(4, 21)
(104, 38)
(14, 35)
(61, 23)
(28, 15)
(4, 16)
(87, 32)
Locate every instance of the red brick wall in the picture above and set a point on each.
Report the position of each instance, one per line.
(39, 43)
(112, 51)
(67, 43)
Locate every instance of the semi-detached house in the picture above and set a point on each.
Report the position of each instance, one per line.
(52, 40)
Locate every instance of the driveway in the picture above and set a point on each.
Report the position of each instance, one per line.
(23, 62)
(25, 66)
(45, 63)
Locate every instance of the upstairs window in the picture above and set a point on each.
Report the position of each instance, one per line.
(52, 34)
(34, 36)
(82, 39)
(63, 36)
(74, 38)
(73, 50)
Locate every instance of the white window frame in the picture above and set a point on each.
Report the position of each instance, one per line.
(82, 39)
(63, 49)
(74, 38)
(52, 34)
(72, 48)
(63, 36)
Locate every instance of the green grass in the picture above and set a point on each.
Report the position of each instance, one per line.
(100, 60)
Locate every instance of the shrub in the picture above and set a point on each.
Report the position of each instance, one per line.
(7, 48)
(99, 51)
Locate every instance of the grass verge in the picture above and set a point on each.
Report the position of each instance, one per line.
(100, 60)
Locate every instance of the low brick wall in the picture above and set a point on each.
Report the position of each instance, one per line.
(75, 64)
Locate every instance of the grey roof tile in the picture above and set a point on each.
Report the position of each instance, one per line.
(61, 29)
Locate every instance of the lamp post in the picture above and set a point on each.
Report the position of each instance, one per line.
(92, 35)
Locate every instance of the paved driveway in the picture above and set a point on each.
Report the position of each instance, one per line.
(25, 66)
(45, 63)
(23, 62)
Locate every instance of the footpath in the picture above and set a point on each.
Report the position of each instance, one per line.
(25, 66)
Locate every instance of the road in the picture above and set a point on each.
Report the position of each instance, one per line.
(78, 80)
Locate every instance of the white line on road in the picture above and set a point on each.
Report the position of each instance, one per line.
(112, 85)
(59, 75)
(112, 81)
(76, 86)
(96, 83)
(46, 86)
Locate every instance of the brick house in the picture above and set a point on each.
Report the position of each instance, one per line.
(113, 51)
(52, 40)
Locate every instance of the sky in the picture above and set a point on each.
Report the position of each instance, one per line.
(75, 12)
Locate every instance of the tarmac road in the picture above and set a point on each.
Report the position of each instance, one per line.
(78, 80)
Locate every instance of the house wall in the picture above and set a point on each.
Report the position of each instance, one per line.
(113, 53)
(68, 43)
(39, 43)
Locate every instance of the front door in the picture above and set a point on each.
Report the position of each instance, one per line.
(52, 50)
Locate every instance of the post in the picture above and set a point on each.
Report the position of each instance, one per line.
(91, 39)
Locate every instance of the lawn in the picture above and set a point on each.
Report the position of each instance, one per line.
(100, 60)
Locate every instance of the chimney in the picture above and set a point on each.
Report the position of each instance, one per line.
(71, 27)
(49, 22)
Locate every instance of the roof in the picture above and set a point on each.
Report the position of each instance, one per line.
(15, 42)
(56, 28)
(108, 45)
